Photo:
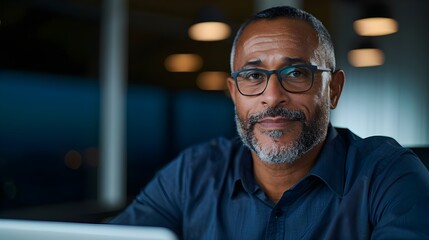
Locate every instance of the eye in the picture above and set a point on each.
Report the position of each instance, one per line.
(296, 73)
(252, 75)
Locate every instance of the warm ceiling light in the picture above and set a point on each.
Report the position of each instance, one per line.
(366, 57)
(209, 31)
(212, 80)
(376, 20)
(375, 26)
(183, 63)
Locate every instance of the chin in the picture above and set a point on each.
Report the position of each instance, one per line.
(278, 153)
(277, 136)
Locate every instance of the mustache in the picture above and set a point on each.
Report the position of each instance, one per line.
(294, 115)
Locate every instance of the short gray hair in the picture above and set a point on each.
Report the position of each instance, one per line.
(325, 50)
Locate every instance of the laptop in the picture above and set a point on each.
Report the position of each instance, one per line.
(44, 230)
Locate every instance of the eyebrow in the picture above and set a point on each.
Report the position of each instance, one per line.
(286, 60)
(291, 61)
(256, 62)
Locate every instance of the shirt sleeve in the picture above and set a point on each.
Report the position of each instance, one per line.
(400, 201)
(160, 203)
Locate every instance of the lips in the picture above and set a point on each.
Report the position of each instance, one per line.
(274, 123)
(275, 119)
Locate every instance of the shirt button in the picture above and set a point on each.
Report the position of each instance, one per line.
(278, 213)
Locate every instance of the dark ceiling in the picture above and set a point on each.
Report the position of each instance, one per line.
(62, 37)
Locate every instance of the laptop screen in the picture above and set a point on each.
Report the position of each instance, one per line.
(44, 230)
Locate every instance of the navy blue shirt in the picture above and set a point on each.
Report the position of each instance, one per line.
(358, 189)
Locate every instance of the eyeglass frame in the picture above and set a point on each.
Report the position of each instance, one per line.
(268, 73)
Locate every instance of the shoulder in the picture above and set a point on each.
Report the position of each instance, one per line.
(374, 147)
(393, 178)
(214, 151)
(206, 158)
(214, 146)
(195, 166)
(201, 170)
(379, 157)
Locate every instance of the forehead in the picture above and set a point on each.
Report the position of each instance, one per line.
(275, 39)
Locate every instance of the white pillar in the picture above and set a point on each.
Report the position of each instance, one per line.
(113, 78)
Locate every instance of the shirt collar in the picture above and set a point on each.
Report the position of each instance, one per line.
(329, 166)
(244, 178)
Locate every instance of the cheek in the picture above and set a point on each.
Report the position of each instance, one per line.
(319, 103)
(241, 109)
(310, 101)
(244, 107)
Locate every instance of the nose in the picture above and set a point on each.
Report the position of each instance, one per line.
(274, 93)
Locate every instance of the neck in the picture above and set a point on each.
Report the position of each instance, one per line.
(275, 179)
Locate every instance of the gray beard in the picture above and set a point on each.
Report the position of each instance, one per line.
(313, 133)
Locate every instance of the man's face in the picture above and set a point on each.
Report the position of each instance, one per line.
(279, 126)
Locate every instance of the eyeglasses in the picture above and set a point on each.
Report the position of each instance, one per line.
(294, 79)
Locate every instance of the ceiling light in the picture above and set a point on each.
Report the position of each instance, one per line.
(376, 26)
(366, 57)
(213, 81)
(376, 21)
(209, 24)
(183, 63)
(209, 31)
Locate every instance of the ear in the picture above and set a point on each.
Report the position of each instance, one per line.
(232, 88)
(336, 87)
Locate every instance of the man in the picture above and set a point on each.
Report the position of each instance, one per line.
(296, 177)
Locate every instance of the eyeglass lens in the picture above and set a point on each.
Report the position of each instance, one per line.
(292, 78)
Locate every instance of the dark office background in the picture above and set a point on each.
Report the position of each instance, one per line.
(50, 96)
